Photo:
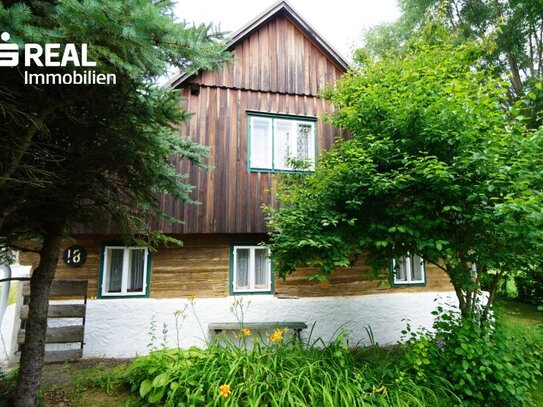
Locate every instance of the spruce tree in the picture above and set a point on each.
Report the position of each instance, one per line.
(92, 156)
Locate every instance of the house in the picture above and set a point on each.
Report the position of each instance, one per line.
(253, 114)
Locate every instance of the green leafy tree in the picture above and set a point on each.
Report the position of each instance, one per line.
(92, 156)
(435, 166)
(518, 28)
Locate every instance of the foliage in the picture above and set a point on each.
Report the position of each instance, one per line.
(96, 155)
(515, 24)
(435, 166)
(8, 384)
(274, 373)
(485, 365)
(529, 284)
(93, 157)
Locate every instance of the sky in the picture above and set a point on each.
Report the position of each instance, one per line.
(339, 22)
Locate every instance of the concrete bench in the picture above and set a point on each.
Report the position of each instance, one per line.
(219, 327)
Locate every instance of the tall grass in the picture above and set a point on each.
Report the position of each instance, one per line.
(523, 321)
(277, 373)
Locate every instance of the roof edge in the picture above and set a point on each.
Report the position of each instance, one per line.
(247, 29)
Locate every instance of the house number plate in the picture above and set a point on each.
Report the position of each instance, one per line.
(74, 256)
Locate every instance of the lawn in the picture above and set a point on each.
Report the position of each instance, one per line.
(523, 320)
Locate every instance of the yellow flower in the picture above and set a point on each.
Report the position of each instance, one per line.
(224, 390)
(191, 298)
(245, 332)
(382, 390)
(277, 335)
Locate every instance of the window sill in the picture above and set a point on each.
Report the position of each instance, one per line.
(281, 171)
(236, 293)
(417, 284)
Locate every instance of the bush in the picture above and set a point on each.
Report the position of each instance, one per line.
(484, 364)
(8, 385)
(530, 287)
(274, 372)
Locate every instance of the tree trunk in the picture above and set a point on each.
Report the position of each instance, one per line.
(515, 74)
(491, 293)
(28, 382)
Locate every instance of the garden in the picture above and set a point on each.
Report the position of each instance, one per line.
(457, 363)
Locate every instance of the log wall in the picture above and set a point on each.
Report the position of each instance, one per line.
(201, 267)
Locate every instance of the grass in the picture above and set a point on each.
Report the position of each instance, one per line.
(281, 373)
(523, 320)
(13, 289)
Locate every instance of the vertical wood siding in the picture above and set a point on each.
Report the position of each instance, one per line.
(276, 70)
(230, 196)
(278, 58)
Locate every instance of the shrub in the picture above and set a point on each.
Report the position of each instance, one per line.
(8, 385)
(274, 372)
(484, 364)
(530, 287)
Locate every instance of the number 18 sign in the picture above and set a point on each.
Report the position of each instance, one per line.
(74, 256)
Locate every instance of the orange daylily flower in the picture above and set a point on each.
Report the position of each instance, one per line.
(224, 390)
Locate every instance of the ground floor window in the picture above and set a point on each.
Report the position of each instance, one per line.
(251, 270)
(124, 271)
(409, 270)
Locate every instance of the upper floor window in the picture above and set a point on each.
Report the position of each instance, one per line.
(251, 270)
(273, 140)
(409, 270)
(124, 271)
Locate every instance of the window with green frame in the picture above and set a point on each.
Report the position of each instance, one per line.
(408, 270)
(275, 139)
(250, 270)
(125, 271)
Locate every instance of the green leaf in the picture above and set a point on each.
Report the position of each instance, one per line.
(145, 387)
(161, 380)
(156, 395)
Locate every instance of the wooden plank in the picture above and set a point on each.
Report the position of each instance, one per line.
(64, 334)
(236, 326)
(60, 311)
(63, 288)
(59, 356)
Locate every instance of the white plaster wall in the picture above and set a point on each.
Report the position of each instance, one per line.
(6, 334)
(120, 327)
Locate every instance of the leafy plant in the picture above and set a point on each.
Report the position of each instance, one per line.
(275, 373)
(529, 284)
(435, 166)
(484, 364)
(8, 384)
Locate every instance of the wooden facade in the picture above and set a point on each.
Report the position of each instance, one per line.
(277, 69)
(201, 267)
(280, 65)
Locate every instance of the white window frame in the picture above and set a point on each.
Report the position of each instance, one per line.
(294, 121)
(409, 273)
(124, 279)
(251, 289)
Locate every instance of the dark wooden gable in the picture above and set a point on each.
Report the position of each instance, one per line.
(278, 57)
(277, 52)
(279, 67)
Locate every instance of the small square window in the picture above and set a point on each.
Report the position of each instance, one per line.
(251, 269)
(409, 270)
(275, 140)
(124, 271)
